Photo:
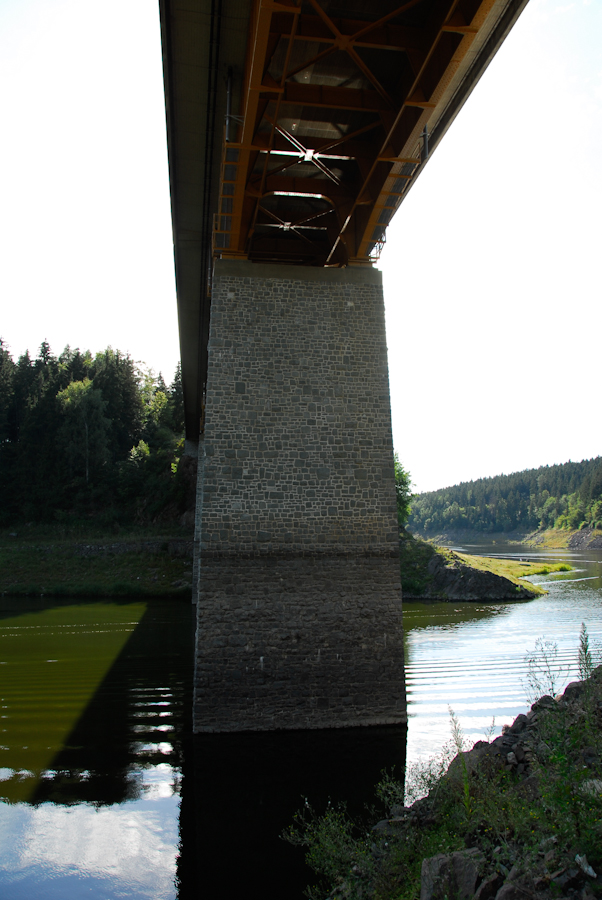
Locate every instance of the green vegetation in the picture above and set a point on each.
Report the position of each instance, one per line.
(513, 569)
(88, 439)
(416, 555)
(566, 496)
(535, 823)
(403, 492)
(131, 568)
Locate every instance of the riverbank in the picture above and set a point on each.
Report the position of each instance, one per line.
(139, 565)
(149, 564)
(556, 539)
(551, 538)
(520, 816)
(429, 572)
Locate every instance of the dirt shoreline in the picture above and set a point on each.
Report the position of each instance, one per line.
(553, 539)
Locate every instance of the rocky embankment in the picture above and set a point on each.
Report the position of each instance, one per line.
(584, 539)
(453, 579)
(554, 538)
(524, 813)
(434, 573)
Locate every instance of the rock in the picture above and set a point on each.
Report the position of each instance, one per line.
(572, 691)
(512, 890)
(592, 786)
(449, 577)
(528, 787)
(511, 759)
(489, 887)
(585, 866)
(519, 724)
(451, 875)
(549, 841)
(545, 702)
(569, 878)
(387, 827)
(518, 752)
(589, 756)
(587, 893)
(543, 751)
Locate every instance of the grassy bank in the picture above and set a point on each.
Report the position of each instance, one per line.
(89, 562)
(140, 564)
(518, 817)
(550, 538)
(563, 539)
(417, 558)
(513, 569)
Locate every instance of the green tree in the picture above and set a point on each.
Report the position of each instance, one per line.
(84, 427)
(7, 369)
(115, 374)
(403, 492)
(176, 401)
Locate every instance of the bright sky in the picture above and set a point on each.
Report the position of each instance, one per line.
(491, 269)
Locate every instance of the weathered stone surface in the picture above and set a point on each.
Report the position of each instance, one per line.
(453, 579)
(452, 875)
(299, 596)
(489, 887)
(512, 891)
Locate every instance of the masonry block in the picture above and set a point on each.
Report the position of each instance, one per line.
(299, 596)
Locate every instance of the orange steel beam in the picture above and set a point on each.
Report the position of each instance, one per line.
(327, 102)
(363, 89)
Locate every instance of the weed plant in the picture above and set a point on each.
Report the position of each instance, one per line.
(534, 821)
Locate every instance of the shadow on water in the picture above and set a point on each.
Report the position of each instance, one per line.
(247, 788)
(237, 793)
(143, 702)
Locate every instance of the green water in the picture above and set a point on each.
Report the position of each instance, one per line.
(95, 708)
(53, 662)
(104, 793)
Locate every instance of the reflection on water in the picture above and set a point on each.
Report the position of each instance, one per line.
(94, 697)
(471, 656)
(105, 794)
(249, 786)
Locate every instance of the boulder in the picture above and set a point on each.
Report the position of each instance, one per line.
(489, 887)
(451, 875)
(512, 890)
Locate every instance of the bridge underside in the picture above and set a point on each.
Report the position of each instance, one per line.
(295, 130)
(335, 101)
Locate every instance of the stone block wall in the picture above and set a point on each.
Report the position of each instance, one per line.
(299, 600)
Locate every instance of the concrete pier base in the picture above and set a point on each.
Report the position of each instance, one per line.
(299, 599)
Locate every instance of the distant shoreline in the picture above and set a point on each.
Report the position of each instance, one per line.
(551, 538)
(429, 572)
(141, 566)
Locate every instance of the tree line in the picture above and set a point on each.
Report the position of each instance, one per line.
(563, 496)
(85, 435)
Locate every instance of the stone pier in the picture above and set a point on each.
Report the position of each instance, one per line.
(299, 595)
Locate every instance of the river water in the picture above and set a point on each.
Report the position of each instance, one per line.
(105, 794)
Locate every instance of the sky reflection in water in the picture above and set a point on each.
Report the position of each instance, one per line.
(471, 656)
(93, 743)
(126, 850)
(96, 712)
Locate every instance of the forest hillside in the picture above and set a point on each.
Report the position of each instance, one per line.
(567, 496)
(88, 438)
